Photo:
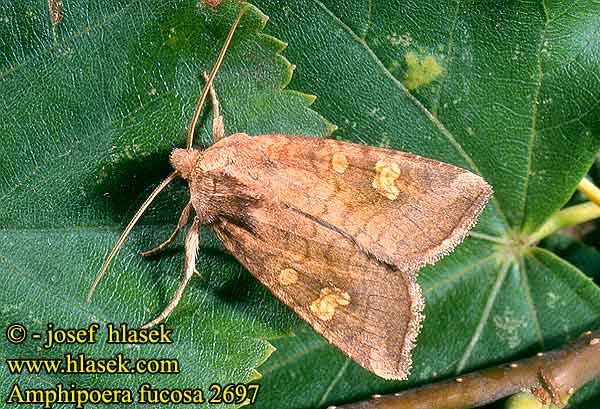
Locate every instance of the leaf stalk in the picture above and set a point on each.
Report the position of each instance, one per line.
(589, 190)
(570, 216)
(573, 215)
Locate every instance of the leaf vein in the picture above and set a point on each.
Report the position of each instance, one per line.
(369, 20)
(50, 294)
(294, 358)
(484, 318)
(35, 170)
(527, 288)
(455, 276)
(534, 116)
(333, 382)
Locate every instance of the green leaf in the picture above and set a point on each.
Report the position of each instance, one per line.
(581, 255)
(517, 101)
(91, 109)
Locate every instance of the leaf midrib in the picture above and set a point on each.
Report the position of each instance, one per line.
(534, 116)
(485, 314)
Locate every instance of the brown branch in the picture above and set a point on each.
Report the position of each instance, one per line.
(552, 377)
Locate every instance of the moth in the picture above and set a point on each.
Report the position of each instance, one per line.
(336, 230)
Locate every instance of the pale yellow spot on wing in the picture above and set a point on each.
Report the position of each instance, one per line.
(386, 173)
(339, 162)
(330, 298)
(287, 276)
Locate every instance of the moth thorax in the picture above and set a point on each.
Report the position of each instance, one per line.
(184, 160)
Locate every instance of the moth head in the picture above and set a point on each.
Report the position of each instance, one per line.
(184, 161)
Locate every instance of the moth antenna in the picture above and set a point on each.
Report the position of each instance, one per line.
(211, 77)
(127, 230)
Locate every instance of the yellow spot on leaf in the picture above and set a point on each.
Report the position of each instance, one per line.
(339, 162)
(420, 72)
(330, 298)
(287, 276)
(386, 173)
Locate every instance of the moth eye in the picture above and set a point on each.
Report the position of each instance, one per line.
(329, 300)
(386, 173)
(339, 163)
(287, 277)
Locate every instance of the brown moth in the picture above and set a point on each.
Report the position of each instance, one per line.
(337, 231)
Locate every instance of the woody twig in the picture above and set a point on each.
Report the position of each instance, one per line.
(553, 377)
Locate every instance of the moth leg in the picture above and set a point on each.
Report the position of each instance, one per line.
(218, 127)
(183, 219)
(191, 248)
